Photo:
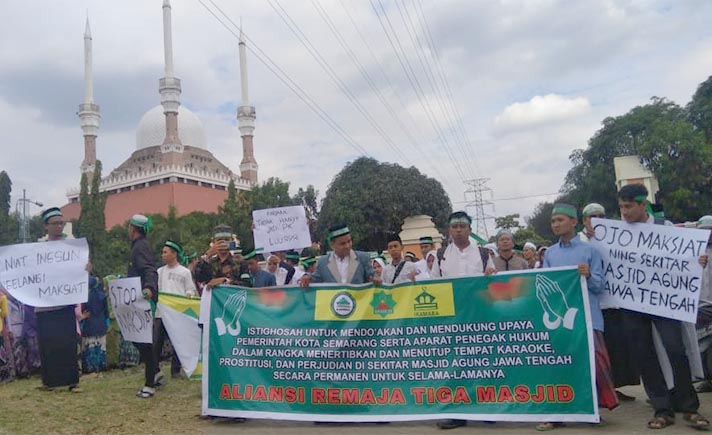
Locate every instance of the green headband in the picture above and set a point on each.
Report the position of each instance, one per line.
(307, 262)
(292, 256)
(337, 233)
(565, 209)
(50, 214)
(424, 240)
(459, 220)
(145, 225)
(176, 247)
(641, 198)
(253, 253)
(222, 235)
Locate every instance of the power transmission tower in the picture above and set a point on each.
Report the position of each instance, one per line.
(475, 198)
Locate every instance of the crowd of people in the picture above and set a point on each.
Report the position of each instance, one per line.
(59, 342)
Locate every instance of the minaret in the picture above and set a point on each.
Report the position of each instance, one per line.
(88, 111)
(169, 88)
(246, 122)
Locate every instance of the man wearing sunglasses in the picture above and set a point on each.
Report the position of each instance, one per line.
(593, 210)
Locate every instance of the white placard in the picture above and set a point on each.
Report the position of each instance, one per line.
(651, 268)
(281, 229)
(46, 274)
(131, 310)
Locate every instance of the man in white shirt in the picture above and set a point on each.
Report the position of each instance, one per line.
(273, 267)
(399, 270)
(173, 278)
(461, 258)
(343, 264)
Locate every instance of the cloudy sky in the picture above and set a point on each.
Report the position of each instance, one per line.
(526, 82)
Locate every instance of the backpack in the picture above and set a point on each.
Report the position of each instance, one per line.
(484, 255)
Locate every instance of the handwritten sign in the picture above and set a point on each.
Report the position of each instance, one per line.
(131, 310)
(280, 229)
(46, 274)
(651, 268)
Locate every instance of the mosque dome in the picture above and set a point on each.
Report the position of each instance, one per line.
(152, 128)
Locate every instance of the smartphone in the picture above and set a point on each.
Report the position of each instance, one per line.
(232, 245)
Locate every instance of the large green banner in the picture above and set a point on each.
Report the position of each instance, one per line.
(508, 347)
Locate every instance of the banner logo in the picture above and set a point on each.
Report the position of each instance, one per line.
(383, 303)
(343, 304)
(425, 304)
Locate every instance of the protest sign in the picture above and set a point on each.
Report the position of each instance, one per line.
(651, 268)
(482, 348)
(46, 274)
(281, 229)
(131, 310)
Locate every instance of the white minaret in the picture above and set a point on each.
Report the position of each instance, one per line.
(169, 87)
(246, 121)
(88, 111)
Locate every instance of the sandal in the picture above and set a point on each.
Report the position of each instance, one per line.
(75, 389)
(146, 392)
(547, 426)
(661, 422)
(44, 387)
(696, 421)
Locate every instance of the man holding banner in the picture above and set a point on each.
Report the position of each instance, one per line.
(142, 265)
(632, 201)
(572, 251)
(343, 264)
(57, 327)
(461, 258)
(173, 278)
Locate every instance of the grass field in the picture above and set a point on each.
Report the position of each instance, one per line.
(107, 405)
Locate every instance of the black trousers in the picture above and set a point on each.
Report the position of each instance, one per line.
(148, 357)
(683, 397)
(160, 335)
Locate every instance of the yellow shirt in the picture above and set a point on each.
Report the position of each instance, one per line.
(3, 310)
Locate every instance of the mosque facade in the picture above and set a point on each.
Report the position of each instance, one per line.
(171, 166)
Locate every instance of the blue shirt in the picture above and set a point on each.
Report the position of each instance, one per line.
(576, 252)
(263, 279)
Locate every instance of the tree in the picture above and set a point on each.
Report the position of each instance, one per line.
(5, 193)
(528, 234)
(509, 222)
(91, 223)
(308, 198)
(8, 223)
(272, 193)
(699, 109)
(373, 198)
(668, 145)
(540, 222)
(235, 212)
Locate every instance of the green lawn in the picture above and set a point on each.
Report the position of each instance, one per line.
(107, 405)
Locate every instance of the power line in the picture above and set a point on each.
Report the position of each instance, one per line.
(451, 123)
(515, 197)
(324, 64)
(415, 84)
(478, 187)
(371, 82)
(363, 38)
(441, 73)
(272, 66)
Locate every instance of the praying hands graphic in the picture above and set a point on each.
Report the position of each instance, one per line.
(232, 310)
(553, 302)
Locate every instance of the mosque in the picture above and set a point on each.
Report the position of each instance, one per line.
(171, 166)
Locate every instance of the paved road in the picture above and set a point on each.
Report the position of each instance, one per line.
(629, 418)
